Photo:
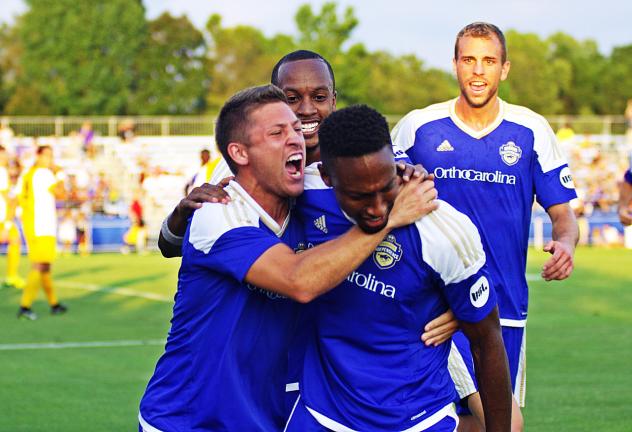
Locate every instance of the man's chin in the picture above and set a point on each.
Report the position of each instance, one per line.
(371, 229)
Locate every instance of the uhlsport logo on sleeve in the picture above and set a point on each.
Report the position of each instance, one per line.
(510, 153)
(479, 292)
(566, 178)
(387, 253)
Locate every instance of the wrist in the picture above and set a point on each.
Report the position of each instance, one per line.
(168, 235)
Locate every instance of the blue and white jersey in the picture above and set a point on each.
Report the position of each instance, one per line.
(225, 363)
(492, 176)
(365, 367)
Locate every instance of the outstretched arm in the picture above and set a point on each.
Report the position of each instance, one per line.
(492, 371)
(562, 247)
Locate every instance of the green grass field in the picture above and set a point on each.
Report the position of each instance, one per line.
(579, 346)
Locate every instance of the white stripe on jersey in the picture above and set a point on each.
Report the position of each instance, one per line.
(460, 374)
(312, 179)
(403, 134)
(146, 426)
(545, 143)
(242, 210)
(446, 411)
(451, 244)
(220, 172)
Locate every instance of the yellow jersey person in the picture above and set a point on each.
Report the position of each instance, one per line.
(39, 188)
(9, 232)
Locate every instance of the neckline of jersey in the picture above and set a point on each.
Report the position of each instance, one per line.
(483, 132)
(267, 220)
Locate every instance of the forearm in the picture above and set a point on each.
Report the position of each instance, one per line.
(492, 371)
(307, 275)
(177, 222)
(169, 244)
(564, 225)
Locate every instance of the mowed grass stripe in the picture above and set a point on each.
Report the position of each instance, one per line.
(116, 290)
(93, 344)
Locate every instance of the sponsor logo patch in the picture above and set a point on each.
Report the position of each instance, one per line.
(566, 178)
(445, 146)
(387, 253)
(321, 224)
(510, 153)
(479, 292)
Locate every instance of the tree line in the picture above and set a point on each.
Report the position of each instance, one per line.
(83, 57)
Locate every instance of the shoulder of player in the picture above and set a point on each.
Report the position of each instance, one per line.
(526, 117)
(451, 243)
(213, 220)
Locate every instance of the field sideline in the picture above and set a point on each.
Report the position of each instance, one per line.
(87, 370)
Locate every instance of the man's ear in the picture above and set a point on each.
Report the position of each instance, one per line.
(324, 175)
(238, 152)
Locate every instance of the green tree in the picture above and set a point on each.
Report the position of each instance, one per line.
(617, 80)
(239, 57)
(583, 95)
(78, 56)
(324, 32)
(533, 80)
(172, 69)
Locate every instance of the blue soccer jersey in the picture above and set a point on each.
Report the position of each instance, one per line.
(225, 362)
(365, 366)
(492, 176)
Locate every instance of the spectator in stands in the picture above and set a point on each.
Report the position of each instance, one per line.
(628, 121)
(7, 136)
(67, 232)
(126, 130)
(87, 135)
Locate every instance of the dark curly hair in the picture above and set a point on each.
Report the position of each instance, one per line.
(354, 131)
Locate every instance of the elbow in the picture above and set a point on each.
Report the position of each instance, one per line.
(299, 290)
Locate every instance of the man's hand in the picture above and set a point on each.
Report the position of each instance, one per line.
(625, 215)
(177, 222)
(440, 329)
(407, 171)
(205, 193)
(416, 199)
(560, 265)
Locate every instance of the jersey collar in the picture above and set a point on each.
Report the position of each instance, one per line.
(474, 133)
(234, 189)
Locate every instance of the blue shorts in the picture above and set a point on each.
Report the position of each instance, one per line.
(301, 420)
(461, 365)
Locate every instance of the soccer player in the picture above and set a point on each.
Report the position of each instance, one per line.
(309, 83)
(364, 367)
(38, 189)
(489, 159)
(625, 198)
(310, 86)
(9, 232)
(225, 362)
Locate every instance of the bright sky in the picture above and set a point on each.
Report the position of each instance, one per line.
(424, 27)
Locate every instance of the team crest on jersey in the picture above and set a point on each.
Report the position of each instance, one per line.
(510, 153)
(387, 253)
